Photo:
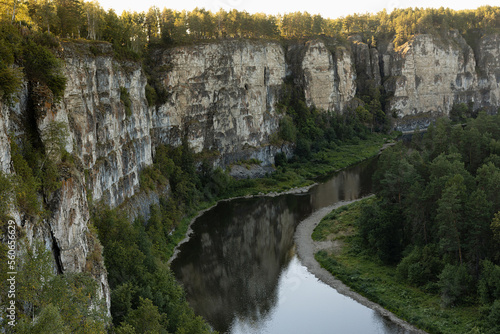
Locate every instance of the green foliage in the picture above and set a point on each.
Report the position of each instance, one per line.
(312, 130)
(460, 112)
(127, 103)
(364, 273)
(380, 229)
(151, 95)
(10, 81)
(146, 318)
(341, 222)
(26, 185)
(489, 284)
(48, 321)
(132, 33)
(144, 292)
(455, 283)
(434, 220)
(493, 319)
(76, 296)
(151, 177)
(280, 159)
(6, 189)
(287, 129)
(49, 303)
(10, 76)
(495, 229)
(41, 65)
(421, 267)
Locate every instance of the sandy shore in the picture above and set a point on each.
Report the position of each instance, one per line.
(306, 248)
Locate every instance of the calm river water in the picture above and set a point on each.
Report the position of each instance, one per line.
(241, 273)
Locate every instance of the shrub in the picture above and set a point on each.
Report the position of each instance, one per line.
(125, 98)
(151, 95)
(26, 184)
(493, 320)
(280, 159)
(41, 65)
(489, 284)
(10, 81)
(5, 195)
(421, 266)
(455, 283)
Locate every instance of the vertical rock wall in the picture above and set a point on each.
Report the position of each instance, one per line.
(329, 78)
(221, 96)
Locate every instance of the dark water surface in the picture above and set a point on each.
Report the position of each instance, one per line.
(240, 270)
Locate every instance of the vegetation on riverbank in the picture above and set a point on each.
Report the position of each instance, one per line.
(426, 247)
(135, 282)
(364, 273)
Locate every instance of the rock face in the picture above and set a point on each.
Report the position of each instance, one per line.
(367, 63)
(328, 78)
(488, 62)
(221, 96)
(431, 74)
(113, 143)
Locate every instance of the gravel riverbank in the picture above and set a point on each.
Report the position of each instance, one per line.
(306, 248)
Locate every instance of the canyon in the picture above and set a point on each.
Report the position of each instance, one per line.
(222, 97)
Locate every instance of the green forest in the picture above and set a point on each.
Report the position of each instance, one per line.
(437, 218)
(427, 246)
(438, 214)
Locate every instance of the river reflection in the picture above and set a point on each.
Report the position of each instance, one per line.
(240, 271)
(346, 185)
(231, 265)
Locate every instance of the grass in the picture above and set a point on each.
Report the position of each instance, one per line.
(181, 230)
(340, 223)
(366, 275)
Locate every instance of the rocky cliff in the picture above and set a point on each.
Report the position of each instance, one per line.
(429, 75)
(221, 98)
(329, 77)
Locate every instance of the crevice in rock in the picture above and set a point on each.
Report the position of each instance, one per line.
(56, 251)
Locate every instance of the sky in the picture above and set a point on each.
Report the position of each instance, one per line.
(332, 9)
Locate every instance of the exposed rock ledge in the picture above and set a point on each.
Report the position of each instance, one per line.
(306, 248)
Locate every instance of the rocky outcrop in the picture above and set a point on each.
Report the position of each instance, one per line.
(113, 143)
(222, 96)
(367, 64)
(488, 64)
(328, 78)
(430, 74)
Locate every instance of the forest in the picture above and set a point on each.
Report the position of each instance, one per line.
(437, 214)
(133, 32)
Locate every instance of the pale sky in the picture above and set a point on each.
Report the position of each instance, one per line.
(327, 8)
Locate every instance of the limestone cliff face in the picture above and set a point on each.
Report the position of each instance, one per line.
(329, 78)
(488, 62)
(221, 96)
(431, 74)
(113, 143)
(367, 63)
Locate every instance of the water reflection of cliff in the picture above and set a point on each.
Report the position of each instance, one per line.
(346, 185)
(220, 285)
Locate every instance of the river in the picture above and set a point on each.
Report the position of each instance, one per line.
(241, 272)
